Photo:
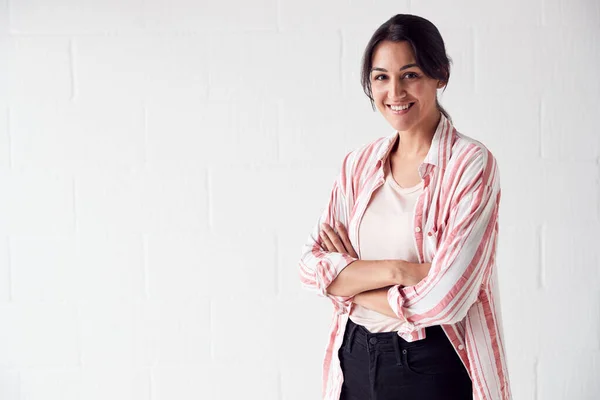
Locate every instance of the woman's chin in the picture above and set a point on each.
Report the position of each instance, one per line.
(401, 126)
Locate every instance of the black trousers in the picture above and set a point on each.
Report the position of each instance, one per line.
(383, 366)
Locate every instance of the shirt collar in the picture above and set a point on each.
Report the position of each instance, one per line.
(439, 152)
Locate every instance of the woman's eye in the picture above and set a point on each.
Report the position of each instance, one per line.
(409, 75)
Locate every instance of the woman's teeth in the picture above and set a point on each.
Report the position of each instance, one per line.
(400, 108)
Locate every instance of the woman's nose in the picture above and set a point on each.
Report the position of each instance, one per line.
(397, 90)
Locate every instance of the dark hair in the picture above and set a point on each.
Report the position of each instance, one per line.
(427, 45)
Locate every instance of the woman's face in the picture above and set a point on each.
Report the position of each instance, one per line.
(396, 80)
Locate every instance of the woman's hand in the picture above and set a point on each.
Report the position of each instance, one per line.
(337, 242)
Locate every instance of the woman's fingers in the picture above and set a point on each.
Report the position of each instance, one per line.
(334, 239)
(345, 239)
(326, 242)
(338, 241)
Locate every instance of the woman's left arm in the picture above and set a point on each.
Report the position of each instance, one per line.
(464, 258)
(376, 299)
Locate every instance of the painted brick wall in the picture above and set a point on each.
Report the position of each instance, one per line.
(162, 162)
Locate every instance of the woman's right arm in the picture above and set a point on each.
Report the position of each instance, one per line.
(363, 275)
(318, 268)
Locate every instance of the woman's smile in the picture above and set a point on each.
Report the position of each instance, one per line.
(399, 109)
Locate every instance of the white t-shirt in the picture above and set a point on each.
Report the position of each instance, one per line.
(386, 232)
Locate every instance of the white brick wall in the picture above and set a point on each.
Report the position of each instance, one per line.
(142, 143)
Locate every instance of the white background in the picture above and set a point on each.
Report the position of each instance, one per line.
(162, 163)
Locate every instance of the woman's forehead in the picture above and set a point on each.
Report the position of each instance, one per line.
(393, 54)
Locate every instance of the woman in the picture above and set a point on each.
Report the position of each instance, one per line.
(405, 248)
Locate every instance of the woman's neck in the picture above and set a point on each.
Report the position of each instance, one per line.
(416, 142)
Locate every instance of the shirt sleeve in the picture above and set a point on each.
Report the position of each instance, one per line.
(464, 257)
(318, 267)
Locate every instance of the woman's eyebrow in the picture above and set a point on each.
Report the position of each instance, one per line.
(401, 69)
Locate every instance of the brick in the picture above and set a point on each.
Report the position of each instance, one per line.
(303, 319)
(273, 65)
(571, 74)
(189, 267)
(126, 67)
(244, 330)
(40, 135)
(569, 320)
(518, 254)
(109, 336)
(306, 387)
(484, 117)
(548, 186)
(39, 69)
(5, 270)
(480, 13)
(514, 186)
(38, 335)
(522, 320)
(5, 150)
(570, 177)
(185, 382)
(86, 269)
(39, 17)
(558, 142)
(276, 188)
(45, 269)
(262, 382)
(142, 201)
(338, 14)
(211, 133)
(174, 333)
(459, 43)
(51, 383)
(571, 13)
(9, 384)
(522, 375)
(569, 375)
(571, 257)
(202, 16)
(503, 67)
(115, 382)
(110, 268)
(36, 202)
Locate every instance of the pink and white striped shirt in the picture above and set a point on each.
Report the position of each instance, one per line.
(456, 230)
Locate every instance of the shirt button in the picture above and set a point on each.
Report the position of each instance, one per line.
(461, 347)
(417, 229)
(373, 340)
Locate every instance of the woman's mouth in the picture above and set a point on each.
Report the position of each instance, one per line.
(399, 110)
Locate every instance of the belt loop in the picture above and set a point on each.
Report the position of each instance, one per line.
(350, 336)
(397, 349)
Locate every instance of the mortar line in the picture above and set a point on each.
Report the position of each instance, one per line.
(73, 70)
(542, 263)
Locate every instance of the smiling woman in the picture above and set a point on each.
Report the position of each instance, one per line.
(416, 54)
(405, 248)
(400, 89)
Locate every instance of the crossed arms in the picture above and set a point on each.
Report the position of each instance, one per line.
(422, 295)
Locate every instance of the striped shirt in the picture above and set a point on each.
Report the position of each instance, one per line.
(455, 229)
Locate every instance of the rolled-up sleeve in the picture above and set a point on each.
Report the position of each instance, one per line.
(464, 257)
(318, 267)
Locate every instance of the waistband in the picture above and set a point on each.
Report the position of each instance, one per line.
(356, 332)
(385, 342)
